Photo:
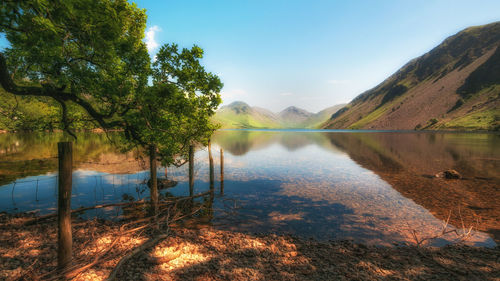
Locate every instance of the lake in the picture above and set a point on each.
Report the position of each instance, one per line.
(376, 188)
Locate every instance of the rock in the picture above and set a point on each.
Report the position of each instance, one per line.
(164, 183)
(449, 174)
(452, 174)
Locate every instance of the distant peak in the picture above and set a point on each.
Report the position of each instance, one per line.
(237, 104)
(294, 109)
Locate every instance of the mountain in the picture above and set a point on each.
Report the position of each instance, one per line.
(317, 120)
(294, 117)
(454, 86)
(239, 115)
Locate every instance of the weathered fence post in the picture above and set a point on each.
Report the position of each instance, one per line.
(153, 187)
(191, 170)
(64, 236)
(221, 171)
(211, 164)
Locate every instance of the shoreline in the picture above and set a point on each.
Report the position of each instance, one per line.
(211, 254)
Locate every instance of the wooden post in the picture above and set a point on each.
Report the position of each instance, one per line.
(211, 164)
(221, 171)
(153, 187)
(191, 170)
(64, 236)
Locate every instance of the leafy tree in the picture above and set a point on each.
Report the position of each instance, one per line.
(84, 52)
(175, 111)
(90, 54)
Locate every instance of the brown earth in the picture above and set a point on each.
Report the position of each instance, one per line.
(29, 253)
(429, 99)
(458, 78)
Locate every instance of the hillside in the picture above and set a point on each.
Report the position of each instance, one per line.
(317, 119)
(454, 86)
(239, 115)
(294, 117)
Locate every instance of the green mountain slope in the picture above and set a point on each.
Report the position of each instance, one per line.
(454, 86)
(239, 115)
(317, 119)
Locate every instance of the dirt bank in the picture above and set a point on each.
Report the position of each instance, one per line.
(29, 252)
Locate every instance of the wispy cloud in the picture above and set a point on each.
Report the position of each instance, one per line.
(337, 82)
(286, 94)
(150, 39)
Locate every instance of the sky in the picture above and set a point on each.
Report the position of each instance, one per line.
(311, 54)
(308, 53)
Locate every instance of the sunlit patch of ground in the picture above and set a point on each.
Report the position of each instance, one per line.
(209, 254)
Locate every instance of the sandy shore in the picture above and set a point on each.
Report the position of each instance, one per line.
(28, 252)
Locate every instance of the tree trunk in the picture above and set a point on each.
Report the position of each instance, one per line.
(153, 187)
(191, 170)
(64, 236)
(221, 171)
(211, 164)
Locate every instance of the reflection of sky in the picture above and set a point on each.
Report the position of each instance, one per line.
(326, 195)
(309, 190)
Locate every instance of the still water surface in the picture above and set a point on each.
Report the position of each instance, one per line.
(371, 187)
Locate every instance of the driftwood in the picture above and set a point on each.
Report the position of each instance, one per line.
(77, 269)
(144, 246)
(162, 203)
(49, 216)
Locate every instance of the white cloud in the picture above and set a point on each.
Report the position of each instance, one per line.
(337, 82)
(286, 94)
(151, 42)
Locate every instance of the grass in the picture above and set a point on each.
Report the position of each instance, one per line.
(483, 120)
(370, 117)
(236, 121)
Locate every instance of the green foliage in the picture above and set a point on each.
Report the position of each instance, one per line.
(393, 92)
(457, 105)
(175, 111)
(88, 57)
(484, 120)
(86, 52)
(25, 113)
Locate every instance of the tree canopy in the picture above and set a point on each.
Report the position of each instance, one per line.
(88, 57)
(80, 51)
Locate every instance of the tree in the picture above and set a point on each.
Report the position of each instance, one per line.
(90, 54)
(175, 111)
(83, 52)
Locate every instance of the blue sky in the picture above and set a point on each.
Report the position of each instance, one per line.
(311, 54)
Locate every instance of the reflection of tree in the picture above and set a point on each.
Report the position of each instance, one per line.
(35, 153)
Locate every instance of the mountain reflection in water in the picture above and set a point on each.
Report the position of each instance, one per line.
(371, 187)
